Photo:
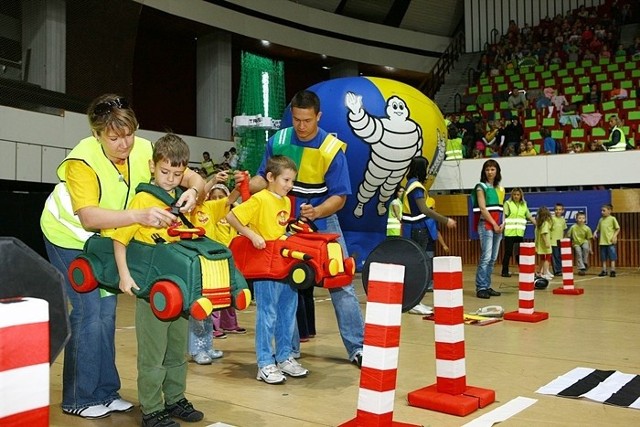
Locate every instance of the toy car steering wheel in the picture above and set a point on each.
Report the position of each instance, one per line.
(185, 233)
(302, 225)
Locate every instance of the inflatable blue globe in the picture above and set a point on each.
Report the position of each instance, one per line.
(385, 124)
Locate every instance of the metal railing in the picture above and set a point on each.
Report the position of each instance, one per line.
(435, 79)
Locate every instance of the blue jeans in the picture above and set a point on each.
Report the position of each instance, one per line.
(489, 247)
(200, 335)
(89, 375)
(556, 259)
(345, 302)
(275, 320)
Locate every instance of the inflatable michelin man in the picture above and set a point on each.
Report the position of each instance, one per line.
(394, 140)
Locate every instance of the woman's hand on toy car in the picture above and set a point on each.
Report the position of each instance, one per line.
(126, 284)
(154, 217)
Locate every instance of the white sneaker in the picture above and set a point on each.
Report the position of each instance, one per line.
(202, 358)
(293, 368)
(215, 354)
(119, 405)
(270, 374)
(422, 309)
(549, 276)
(90, 412)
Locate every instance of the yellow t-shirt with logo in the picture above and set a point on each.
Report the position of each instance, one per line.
(266, 213)
(210, 215)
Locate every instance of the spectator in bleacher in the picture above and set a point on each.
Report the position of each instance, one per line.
(513, 133)
(529, 149)
(593, 96)
(544, 101)
(509, 151)
(549, 145)
(618, 93)
(595, 147)
(617, 140)
(634, 48)
(490, 138)
(588, 54)
(454, 149)
(558, 102)
(517, 100)
(621, 50)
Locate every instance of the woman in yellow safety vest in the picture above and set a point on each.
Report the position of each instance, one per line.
(516, 213)
(98, 179)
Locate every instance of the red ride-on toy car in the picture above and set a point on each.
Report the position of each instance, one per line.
(304, 258)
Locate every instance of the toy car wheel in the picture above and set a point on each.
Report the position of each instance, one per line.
(81, 275)
(166, 300)
(301, 276)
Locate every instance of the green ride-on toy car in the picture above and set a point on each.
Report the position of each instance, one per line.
(194, 275)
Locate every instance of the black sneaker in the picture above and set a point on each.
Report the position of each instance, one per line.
(483, 293)
(602, 274)
(506, 274)
(493, 293)
(357, 360)
(184, 410)
(158, 419)
(612, 274)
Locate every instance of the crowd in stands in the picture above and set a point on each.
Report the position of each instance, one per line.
(553, 88)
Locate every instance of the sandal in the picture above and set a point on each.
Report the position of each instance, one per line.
(237, 330)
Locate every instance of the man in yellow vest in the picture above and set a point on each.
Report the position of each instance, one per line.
(320, 190)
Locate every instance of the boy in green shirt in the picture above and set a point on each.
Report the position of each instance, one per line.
(607, 234)
(558, 226)
(581, 235)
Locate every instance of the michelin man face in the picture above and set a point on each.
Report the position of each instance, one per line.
(396, 108)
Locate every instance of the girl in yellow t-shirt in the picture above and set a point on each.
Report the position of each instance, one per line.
(543, 240)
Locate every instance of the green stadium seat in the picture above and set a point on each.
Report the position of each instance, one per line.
(611, 68)
(608, 106)
(626, 84)
(570, 90)
(578, 71)
(602, 77)
(588, 108)
(571, 64)
(549, 122)
(576, 99)
(554, 67)
(606, 86)
(604, 61)
(629, 104)
(619, 76)
(586, 63)
(567, 80)
(598, 133)
(563, 72)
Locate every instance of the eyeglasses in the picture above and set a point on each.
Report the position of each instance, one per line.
(106, 107)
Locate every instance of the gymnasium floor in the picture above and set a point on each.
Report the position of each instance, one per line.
(599, 329)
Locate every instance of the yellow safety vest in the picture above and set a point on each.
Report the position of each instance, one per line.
(394, 226)
(60, 225)
(622, 144)
(312, 163)
(454, 149)
(515, 223)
